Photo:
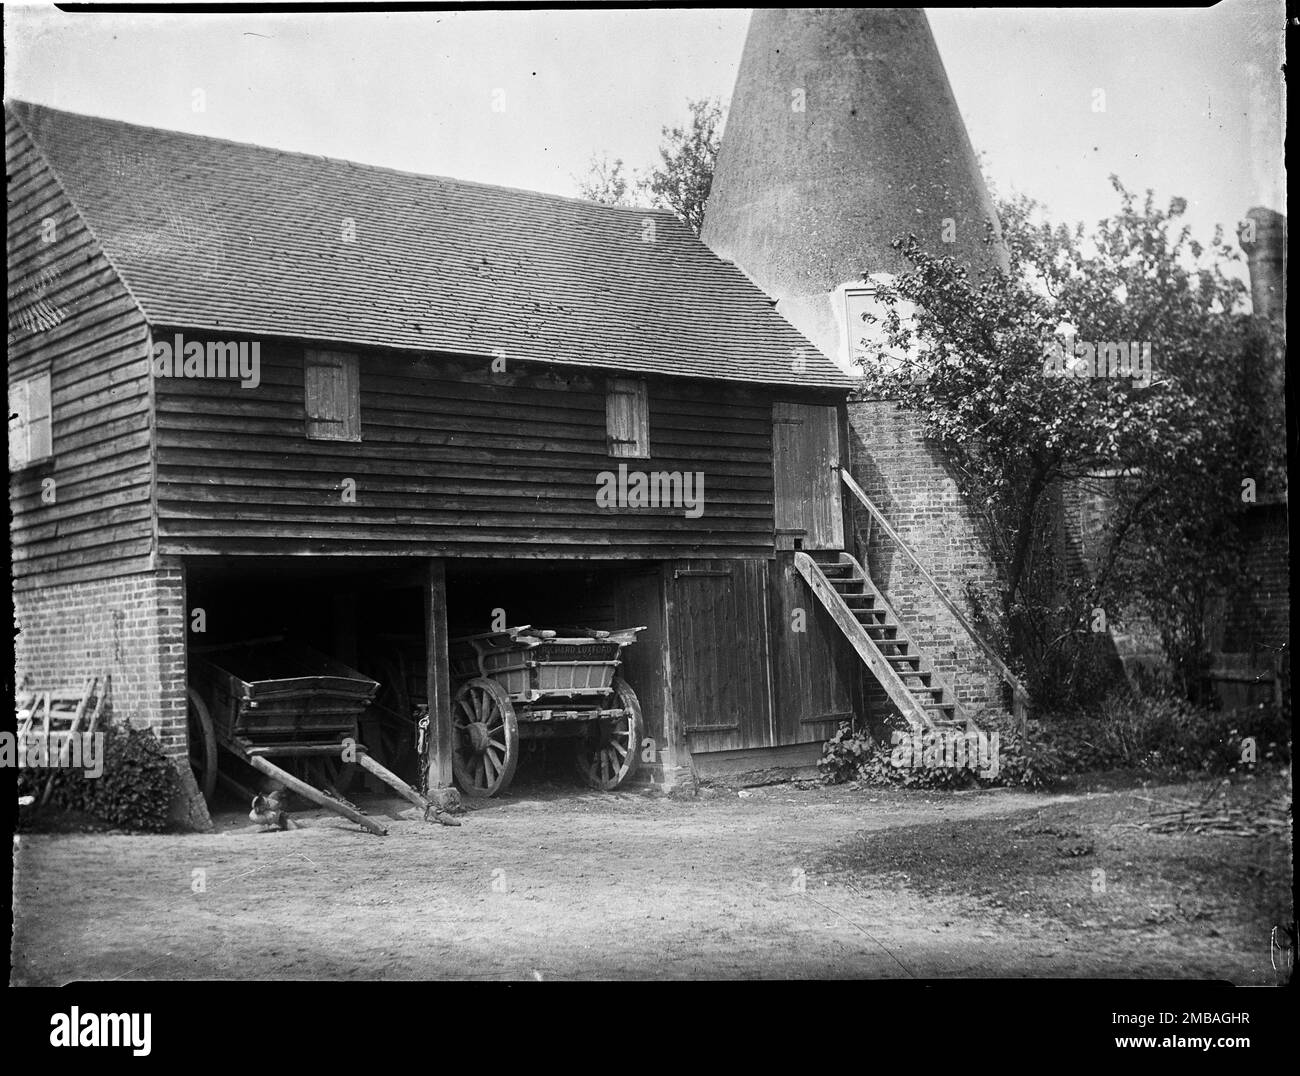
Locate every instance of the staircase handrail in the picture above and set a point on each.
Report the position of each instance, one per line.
(1020, 695)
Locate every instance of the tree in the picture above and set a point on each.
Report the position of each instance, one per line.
(679, 183)
(688, 156)
(984, 366)
(605, 182)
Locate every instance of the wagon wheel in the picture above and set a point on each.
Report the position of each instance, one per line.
(608, 755)
(389, 717)
(330, 771)
(485, 748)
(203, 746)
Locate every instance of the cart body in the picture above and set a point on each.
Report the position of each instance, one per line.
(276, 691)
(270, 698)
(525, 683)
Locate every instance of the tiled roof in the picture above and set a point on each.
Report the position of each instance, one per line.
(217, 235)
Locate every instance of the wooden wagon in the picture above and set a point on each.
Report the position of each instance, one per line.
(269, 698)
(527, 684)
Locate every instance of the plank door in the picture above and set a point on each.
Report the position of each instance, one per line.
(815, 669)
(721, 679)
(806, 475)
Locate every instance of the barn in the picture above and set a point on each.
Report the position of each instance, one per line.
(256, 392)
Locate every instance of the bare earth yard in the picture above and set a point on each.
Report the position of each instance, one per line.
(556, 883)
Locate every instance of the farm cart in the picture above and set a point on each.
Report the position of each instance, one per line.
(266, 699)
(526, 684)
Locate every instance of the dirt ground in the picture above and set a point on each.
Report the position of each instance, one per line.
(778, 881)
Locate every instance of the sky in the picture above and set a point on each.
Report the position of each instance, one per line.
(1193, 102)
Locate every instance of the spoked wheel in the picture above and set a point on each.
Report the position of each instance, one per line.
(329, 772)
(203, 746)
(390, 724)
(485, 738)
(609, 753)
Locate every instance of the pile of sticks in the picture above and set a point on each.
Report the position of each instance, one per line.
(1253, 817)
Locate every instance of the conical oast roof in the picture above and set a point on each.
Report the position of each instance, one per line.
(842, 135)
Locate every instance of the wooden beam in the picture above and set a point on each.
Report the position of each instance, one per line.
(392, 780)
(319, 798)
(439, 675)
(674, 746)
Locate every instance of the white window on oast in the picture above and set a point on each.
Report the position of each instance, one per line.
(332, 395)
(30, 435)
(627, 418)
(866, 337)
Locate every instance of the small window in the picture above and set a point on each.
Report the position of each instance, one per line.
(332, 396)
(867, 340)
(627, 418)
(29, 422)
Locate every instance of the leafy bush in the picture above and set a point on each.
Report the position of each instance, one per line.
(135, 791)
(850, 755)
(1166, 733)
(1153, 734)
(844, 754)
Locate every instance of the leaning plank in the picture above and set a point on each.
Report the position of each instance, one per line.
(91, 685)
(100, 703)
(389, 778)
(319, 798)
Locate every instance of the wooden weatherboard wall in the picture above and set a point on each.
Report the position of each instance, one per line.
(454, 460)
(85, 512)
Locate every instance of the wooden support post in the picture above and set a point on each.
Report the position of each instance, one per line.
(438, 675)
(319, 798)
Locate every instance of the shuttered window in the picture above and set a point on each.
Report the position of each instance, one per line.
(627, 418)
(332, 395)
(30, 438)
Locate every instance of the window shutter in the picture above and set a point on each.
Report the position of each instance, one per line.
(17, 425)
(30, 438)
(332, 395)
(627, 418)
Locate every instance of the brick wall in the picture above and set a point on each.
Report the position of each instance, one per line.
(909, 481)
(132, 627)
(1258, 612)
(1130, 648)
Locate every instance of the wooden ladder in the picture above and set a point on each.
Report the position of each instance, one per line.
(67, 710)
(908, 675)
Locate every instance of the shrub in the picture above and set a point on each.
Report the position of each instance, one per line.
(1154, 734)
(850, 755)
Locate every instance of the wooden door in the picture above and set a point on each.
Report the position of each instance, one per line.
(806, 475)
(815, 670)
(721, 678)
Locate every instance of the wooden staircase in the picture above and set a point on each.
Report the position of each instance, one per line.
(924, 698)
